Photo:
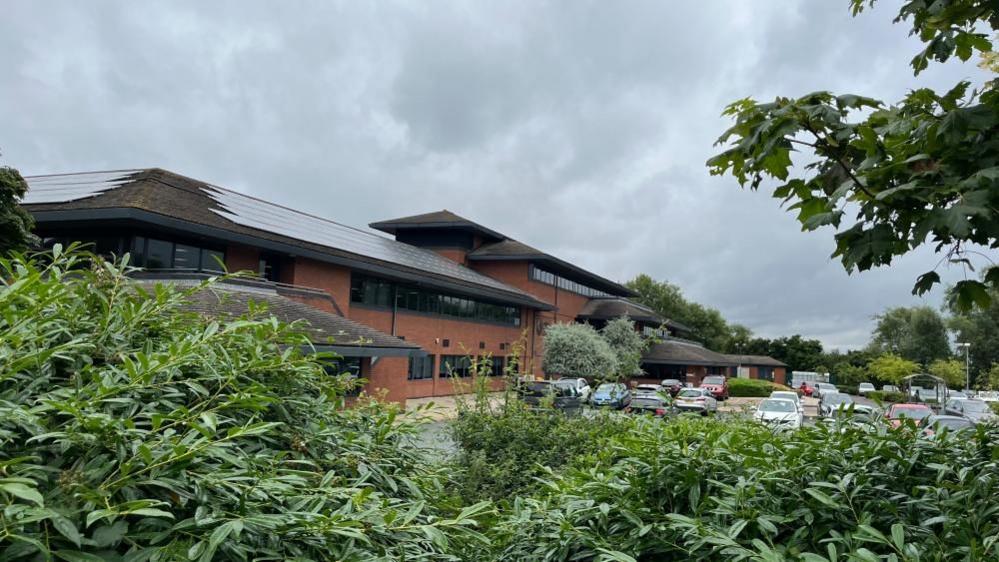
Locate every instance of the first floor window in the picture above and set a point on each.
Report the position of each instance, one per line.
(421, 368)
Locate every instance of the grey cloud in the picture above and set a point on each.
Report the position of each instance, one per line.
(579, 127)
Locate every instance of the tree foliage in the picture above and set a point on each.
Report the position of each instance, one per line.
(577, 350)
(950, 370)
(627, 345)
(799, 353)
(923, 171)
(980, 328)
(15, 222)
(707, 325)
(132, 431)
(918, 334)
(890, 368)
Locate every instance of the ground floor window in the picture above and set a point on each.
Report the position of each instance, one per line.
(349, 366)
(496, 368)
(456, 366)
(765, 373)
(421, 368)
(717, 370)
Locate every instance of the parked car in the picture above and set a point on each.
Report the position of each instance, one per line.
(834, 403)
(889, 388)
(821, 388)
(779, 412)
(673, 386)
(612, 395)
(935, 424)
(865, 387)
(975, 410)
(562, 397)
(789, 395)
(582, 387)
(956, 395)
(699, 400)
(717, 385)
(916, 412)
(649, 399)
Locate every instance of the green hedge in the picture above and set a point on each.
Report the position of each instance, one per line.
(887, 397)
(752, 388)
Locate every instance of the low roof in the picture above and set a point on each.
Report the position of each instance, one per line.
(608, 308)
(675, 351)
(756, 360)
(174, 202)
(437, 219)
(328, 331)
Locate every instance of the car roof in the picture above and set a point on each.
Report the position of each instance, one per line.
(910, 406)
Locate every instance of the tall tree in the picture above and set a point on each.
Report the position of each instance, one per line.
(799, 353)
(922, 171)
(15, 222)
(918, 334)
(707, 324)
(980, 328)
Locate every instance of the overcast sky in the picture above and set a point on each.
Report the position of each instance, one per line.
(581, 128)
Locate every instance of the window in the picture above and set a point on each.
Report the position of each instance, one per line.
(421, 368)
(349, 366)
(152, 253)
(765, 373)
(380, 292)
(456, 366)
(716, 370)
(549, 278)
(159, 254)
(496, 369)
(270, 268)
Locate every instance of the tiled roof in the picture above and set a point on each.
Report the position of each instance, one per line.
(756, 360)
(681, 352)
(437, 219)
(186, 204)
(605, 309)
(226, 301)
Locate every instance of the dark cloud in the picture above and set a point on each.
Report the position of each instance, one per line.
(579, 127)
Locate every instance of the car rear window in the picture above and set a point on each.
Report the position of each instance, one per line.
(911, 413)
(714, 380)
(690, 393)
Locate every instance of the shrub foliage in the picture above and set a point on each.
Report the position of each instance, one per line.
(752, 387)
(130, 430)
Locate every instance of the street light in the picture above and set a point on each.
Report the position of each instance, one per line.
(967, 365)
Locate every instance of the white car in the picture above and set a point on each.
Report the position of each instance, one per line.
(823, 388)
(789, 395)
(865, 387)
(779, 412)
(582, 387)
(696, 400)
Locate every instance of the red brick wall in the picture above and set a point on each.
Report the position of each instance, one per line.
(333, 279)
(453, 254)
(242, 258)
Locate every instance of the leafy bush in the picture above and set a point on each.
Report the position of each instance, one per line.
(704, 490)
(577, 350)
(130, 430)
(849, 389)
(753, 387)
(501, 451)
(887, 397)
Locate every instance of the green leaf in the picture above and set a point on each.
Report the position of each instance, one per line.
(151, 512)
(24, 492)
(77, 556)
(67, 529)
(822, 497)
(615, 555)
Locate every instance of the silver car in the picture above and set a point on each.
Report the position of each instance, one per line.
(697, 400)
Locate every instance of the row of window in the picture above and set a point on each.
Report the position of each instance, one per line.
(153, 253)
(421, 368)
(380, 292)
(549, 278)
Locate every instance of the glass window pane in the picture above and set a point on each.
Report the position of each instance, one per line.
(138, 251)
(185, 257)
(160, 254)
(212, 260)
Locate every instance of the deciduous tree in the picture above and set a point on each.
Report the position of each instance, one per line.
(15, 222)
(951, 371)
(627, 345)
(890, 368)
(917, 333)
(889, 177)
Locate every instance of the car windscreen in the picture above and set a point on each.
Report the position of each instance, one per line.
(713, 380)
(911, 413)
(837, 398)
(690, 393)
(783, 406)
(671, 382)
(643, 401)
(785, 396)
(975, 406)
(610, 390)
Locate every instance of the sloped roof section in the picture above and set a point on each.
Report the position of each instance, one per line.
(756, 360)
(435, 220)
(227, 301)
(180, 203)
(606, 309)
(682, 352)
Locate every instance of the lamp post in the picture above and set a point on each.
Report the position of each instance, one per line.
(967, 365)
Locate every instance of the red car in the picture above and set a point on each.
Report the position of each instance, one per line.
(915, 412)
(717, 385)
